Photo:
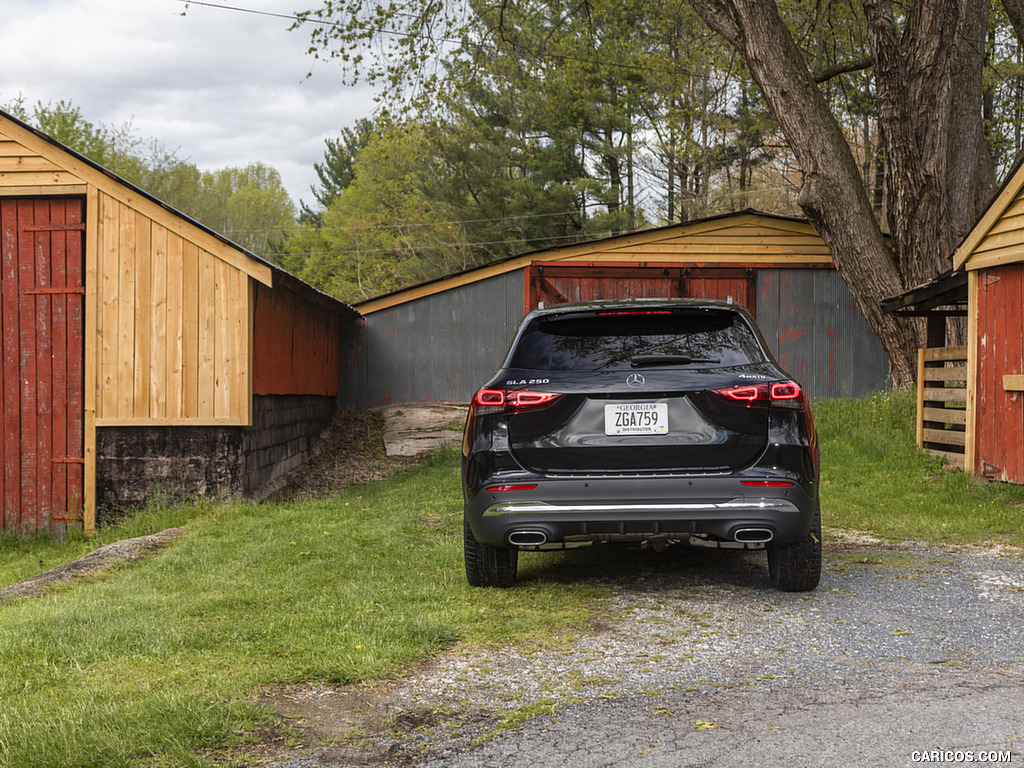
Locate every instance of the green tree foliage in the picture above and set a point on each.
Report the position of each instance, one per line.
(635, 102)
(386, 228)
(336, 171)
(248, 205)
(869, 115)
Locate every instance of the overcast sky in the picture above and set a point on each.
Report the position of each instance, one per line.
(220, 87)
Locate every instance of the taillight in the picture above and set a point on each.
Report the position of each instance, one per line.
(779, 394)
(512, 400)
(490, 397)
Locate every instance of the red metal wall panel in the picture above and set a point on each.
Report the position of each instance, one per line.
(41, 298)
(296, 345)
(558, 284)
(999, 426)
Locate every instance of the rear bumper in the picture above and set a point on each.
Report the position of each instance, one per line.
(600, 509)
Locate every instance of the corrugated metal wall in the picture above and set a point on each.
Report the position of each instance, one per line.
(443, 347)
(439, 348)
(813, 326)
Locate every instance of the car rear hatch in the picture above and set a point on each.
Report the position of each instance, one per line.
(637, 393)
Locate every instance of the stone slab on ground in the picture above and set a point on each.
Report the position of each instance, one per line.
(414, 428)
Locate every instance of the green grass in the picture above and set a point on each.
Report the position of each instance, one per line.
(24, 557)
(157, 663)
(875, 479)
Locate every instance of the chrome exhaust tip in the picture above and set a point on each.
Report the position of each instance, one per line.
(528, 538)
(753, 535)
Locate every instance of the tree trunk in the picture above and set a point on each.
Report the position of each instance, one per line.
(832, 196)
(914, 82)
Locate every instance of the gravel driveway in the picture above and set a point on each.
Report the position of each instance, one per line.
(901, 650)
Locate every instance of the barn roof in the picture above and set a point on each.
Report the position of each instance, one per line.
(743, 237)
(64, 158)
(998, 237)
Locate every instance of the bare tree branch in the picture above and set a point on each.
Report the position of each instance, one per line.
(857, 65)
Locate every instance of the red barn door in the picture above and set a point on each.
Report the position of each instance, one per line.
(561, 284)
(41, 381)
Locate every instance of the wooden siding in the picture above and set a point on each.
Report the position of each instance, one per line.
(296, 345)
(735, 240)
(41, 379)
(942, 402)
(999, 413)
(25, 171)
(171, 326)
(998, 237)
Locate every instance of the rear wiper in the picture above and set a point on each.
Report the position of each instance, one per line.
(642, 360)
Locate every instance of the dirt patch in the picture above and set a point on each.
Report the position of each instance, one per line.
(359, 725)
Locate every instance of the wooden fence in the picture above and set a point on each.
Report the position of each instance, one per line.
(942, 402)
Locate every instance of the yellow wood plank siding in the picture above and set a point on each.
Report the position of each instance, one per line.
(996, 238)
(172, 321)
(64, 173)
(742, 239)
(23, 170)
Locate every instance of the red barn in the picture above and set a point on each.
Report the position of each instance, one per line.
(993, 257)
(142, 353)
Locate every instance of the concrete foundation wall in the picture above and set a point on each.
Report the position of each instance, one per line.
(135, 464)
(285, 430)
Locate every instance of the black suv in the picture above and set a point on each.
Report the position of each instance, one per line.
(650, 422)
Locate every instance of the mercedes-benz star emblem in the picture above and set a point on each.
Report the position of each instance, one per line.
(635, 380)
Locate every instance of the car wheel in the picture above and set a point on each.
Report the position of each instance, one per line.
(488, 566)
(796, 567)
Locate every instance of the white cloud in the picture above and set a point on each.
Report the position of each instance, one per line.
(221, 87)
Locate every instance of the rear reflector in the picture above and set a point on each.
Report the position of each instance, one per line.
(767, 483)
(502, 488)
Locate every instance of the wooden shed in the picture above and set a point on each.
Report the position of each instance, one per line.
(992, 256)
(142, 353)
(440, 340)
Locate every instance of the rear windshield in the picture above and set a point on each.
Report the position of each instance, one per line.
(590, 343)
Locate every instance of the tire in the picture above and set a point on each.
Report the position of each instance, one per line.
(796, 567)
(488, 566)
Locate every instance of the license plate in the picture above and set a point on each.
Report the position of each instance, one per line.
(636, 419)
